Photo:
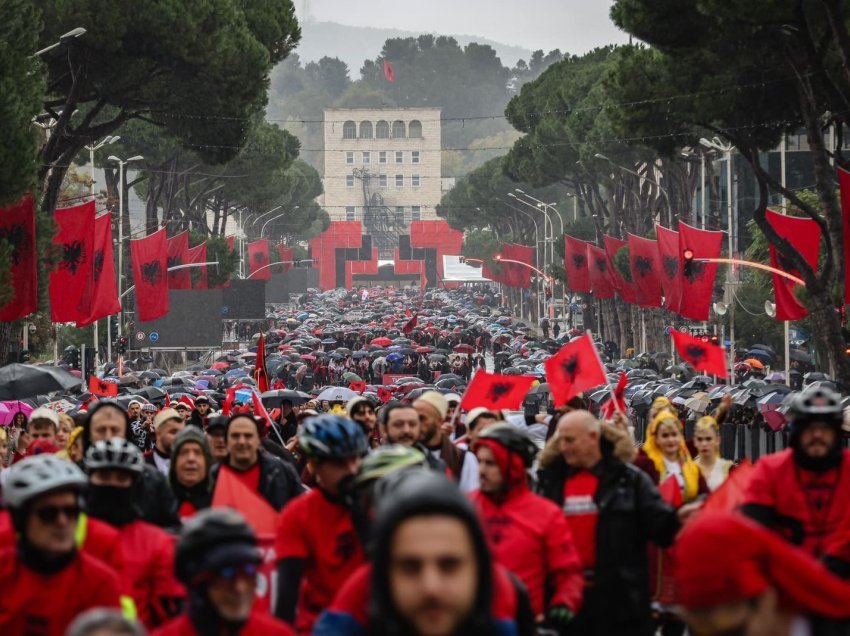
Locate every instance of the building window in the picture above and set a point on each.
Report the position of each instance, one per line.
(414, 131)
(399, 214)
(382, 130)
(398, 129)
(349, 130)
(414, 180)
(349, 213)
(382, 156)
(349, 157)
(399, 181)
(416, 213)
(365, 130)
(382, 180)
(367, 158)
(414, 156)
(399, 156)
(349, 180)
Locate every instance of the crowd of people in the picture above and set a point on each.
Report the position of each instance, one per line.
(392, 508)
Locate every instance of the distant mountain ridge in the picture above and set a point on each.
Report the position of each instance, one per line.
(354, 44)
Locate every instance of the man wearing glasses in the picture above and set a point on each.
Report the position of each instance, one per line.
(45, 582)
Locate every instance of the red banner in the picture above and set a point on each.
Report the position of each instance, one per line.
(698, 286)
(600, 276)
(844, 186)
(150, 265)
(101, 297)
(286, 255)
(576, 265)
(17, 227)
(495, 391)
(261, 376)
(198, 254)
(701, 355)
(668, 252)
(258, 258)
(70, 280)
(804, 236)
(643, 260)
(102, 387)
(624, 288)
(178, 253)
(575, 368)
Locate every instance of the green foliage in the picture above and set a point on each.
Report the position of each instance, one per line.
(481, 244)
(21, 87)
(582, 228)
(217, 250)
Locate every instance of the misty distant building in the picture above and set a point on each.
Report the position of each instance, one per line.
(382, 168)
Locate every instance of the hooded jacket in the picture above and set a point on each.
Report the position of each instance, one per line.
(198, 496)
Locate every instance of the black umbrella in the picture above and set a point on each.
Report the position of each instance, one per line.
(24, 380)
(151, 393)
(273, 399)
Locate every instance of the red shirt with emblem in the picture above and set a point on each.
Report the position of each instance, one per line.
(582, 514)
(321, 532)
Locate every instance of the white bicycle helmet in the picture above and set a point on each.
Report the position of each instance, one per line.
(117, 453)
(39, 475)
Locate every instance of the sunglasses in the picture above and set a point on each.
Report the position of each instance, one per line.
(231, 573)
(50, 514)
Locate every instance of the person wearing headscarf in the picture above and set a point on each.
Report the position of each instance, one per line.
(737, 577)
(189, 471)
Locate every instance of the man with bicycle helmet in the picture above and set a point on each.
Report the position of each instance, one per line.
(317, 545)
(45, 582)
(217, 559)
(528, 534)
(114, 465)
(803, 492)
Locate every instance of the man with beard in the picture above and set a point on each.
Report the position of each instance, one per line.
(113, 466)
(803, 492)
(400, 425)
(433, 407)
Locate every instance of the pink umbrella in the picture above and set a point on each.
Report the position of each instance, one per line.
(8, 410)
(775, 420)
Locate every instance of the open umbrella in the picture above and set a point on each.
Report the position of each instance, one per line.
(273, 399)
(336, 394)
(25, 380)
(698, 402)
(755, 364)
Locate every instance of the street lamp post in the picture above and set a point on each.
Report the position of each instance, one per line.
(537, 248)
(727, 149)
(548, 238)
(121, 165)
(274, 218)
(63, 39)
(274, 209)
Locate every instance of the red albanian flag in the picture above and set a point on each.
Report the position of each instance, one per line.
(196, 255)
(409, 326)
(102, 387)
(844, 186)
(732, 493)
(178, 254)
(804, 236)
(624, 288)
(496, 392)
(231, 492)
(101, 297)
(389, 72)
(17, 228)
(617, 402)
(70, 280)
(698, 286)
(576, 265)
(600, 276)
(643, 260)
(668, 252)
(385, 394)
(575, 368)
(286, 255)
(358, 386)
(150, 265)
(258, 258)
(260, 374)
(701, 355)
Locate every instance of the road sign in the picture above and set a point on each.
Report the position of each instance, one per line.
(154, 336)
(225, 310)
(140, 335)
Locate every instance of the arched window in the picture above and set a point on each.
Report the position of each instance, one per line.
(382, 130)
(349, 130)
(365, 130)
(414, 131)
(398, 129)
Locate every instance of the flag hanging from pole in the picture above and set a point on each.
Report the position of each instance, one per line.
(844, 189)
(70, 280)
(668, 252)
(389, 71)
(150, 265)
(197, 255)
(643, 260)
(101, 297)
(258, 259)
(576, 265)
(17, 228)
(178, 253)
(804, 237)
(601, 282)
(698, 284)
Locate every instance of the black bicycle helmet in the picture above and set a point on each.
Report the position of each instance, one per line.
(332, 436)
(512, 438)
(116, 453)
(211, 539)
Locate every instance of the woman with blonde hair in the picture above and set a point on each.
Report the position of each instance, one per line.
(712, 466)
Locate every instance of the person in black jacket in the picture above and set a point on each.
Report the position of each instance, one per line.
(614, 509)
(273, 479)
(155, 500)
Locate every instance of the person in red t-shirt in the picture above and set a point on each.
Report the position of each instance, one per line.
(317, 544)
(44, 581)
(217, 559)
(528, 534)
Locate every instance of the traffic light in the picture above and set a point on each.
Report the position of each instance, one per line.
(714, 339)
(121, 345)
(688, 262)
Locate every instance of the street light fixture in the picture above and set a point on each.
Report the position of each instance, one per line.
(63, 39)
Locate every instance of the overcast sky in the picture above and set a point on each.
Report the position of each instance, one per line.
(573, 26)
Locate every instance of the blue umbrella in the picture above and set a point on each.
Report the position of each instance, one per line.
(236, 373)
(328, 341)
(394, 357)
